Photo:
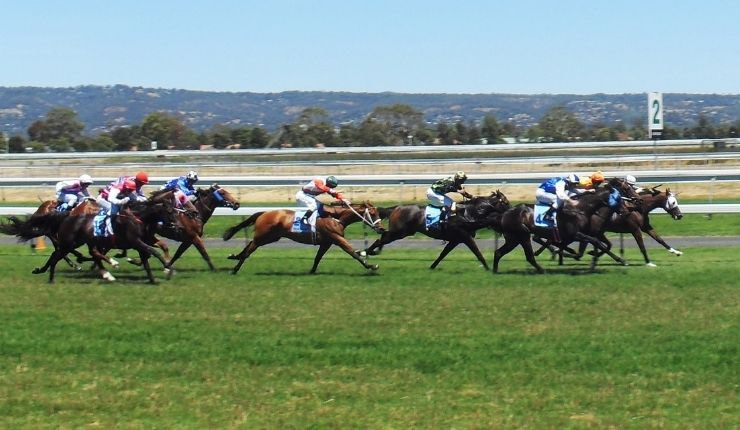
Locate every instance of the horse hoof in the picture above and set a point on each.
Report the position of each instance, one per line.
(108, 277)
(361, 254)
(373, 267)
(36, 271)
(650, 265)
(115, 264)
(78, 268)
(232, 257)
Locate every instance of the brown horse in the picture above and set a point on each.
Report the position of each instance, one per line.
(273, 225)
(131, 226)
(29, 229)
(470, 216)
(574, 223)
(189, 226)
(638, 221)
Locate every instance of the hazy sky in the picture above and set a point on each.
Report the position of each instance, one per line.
(412, 46)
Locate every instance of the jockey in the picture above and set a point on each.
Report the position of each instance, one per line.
(436, 194)
(590, 183)
(555, 191)
(70, 192)
(632, 182)
(184, 190)
(121, 191)
(308, 193)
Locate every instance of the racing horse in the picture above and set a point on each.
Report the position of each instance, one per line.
(131, 226)
(271, 226)
(189, 228)
(29, 229)
(638, 221)
(470, 216)
(574, 223)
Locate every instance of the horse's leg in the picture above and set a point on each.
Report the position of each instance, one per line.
(144, 256)
(470, 243)
(599, 245)
(98, 258)
(178, 253)
(341, 242)
(54, 258)
(201, 247)
(385, 238)
(509, 244)
(161, 244)
(654, 234)
(319, 255)
(449, 247)
(529, 255)
(641, 243)
(242, 256)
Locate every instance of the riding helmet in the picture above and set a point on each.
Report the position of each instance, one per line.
(331, 182)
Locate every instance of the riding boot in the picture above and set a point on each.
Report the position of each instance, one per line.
(306, 216)
(443, 216)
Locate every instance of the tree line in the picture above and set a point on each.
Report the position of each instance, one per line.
(399, 124)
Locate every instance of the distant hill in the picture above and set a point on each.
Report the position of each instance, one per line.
(105, 107)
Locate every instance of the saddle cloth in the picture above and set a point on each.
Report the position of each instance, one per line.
(539, 216)
(432, 217)
(101, 225)
(299, 227)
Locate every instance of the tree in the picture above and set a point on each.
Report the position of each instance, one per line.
(168, 131)
(60, 129)
(490, 129)
(560, 125)
(16, 144)
(258, 138)
(397, 122)
(126, 138)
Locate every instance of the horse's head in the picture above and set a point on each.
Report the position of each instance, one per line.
(501, 201)
(671, 205)
(223, 197)
(370, 215)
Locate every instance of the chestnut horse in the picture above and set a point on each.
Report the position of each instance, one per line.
(574, 223)
(638, 221)
(189, 229)
(273, 225)
(470, 216)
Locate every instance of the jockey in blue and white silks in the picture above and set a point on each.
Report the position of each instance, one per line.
(70, 192)
(554, 191)
(184, 189)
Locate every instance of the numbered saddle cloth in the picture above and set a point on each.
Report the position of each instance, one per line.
(101, 225)
(432, 216)
(539, 216)
(300, 227)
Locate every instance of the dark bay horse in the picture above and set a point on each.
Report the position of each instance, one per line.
(470, 216)
(131, 226)
(574, 223)
(273, 225)
(29, 228)
(638, 221)
(189, 229)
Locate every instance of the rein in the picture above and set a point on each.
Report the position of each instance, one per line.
(366, 218)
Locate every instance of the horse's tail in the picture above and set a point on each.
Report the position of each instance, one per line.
(231, 231)
(32, 227)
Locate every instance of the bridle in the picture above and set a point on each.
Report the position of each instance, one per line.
(366, 217)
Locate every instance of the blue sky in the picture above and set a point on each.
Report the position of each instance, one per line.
(410, 46)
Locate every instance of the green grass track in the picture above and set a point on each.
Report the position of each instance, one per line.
(405, 347)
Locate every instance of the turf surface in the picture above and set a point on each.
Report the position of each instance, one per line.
(405, 347)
